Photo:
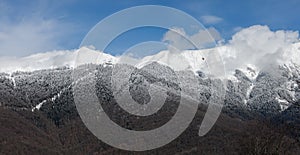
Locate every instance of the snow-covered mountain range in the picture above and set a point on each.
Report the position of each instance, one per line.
(255, 61)
(262, 85)
(276, 82)
(190, 59)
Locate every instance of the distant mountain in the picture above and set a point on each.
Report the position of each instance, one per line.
(194, 60)
(261, 106)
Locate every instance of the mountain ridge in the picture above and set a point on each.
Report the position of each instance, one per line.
(72, 58)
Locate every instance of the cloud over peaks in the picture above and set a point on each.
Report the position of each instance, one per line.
(259, 46)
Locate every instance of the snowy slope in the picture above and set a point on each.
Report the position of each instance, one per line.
(251, 87)
(190, 59)
(54, 59)
(186, 60)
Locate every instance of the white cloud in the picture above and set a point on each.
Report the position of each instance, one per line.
(31, 28)
(258, 45)
(179, 39)
(27, 37)
(209, 19)
(237, 29)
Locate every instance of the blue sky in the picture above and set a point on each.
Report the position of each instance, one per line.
(28, 27)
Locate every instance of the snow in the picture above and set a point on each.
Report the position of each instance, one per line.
(291, 54)
(54, 59)
(38, 106)
(232, 78)
(249, 91)
(291, 87)
(185, 60)
(55, 97)
(284, 104)
(251, 72)
(177, 61)
(85, 56)
(36, 62)
(203, 60)
(12, 79)
(193, 60)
